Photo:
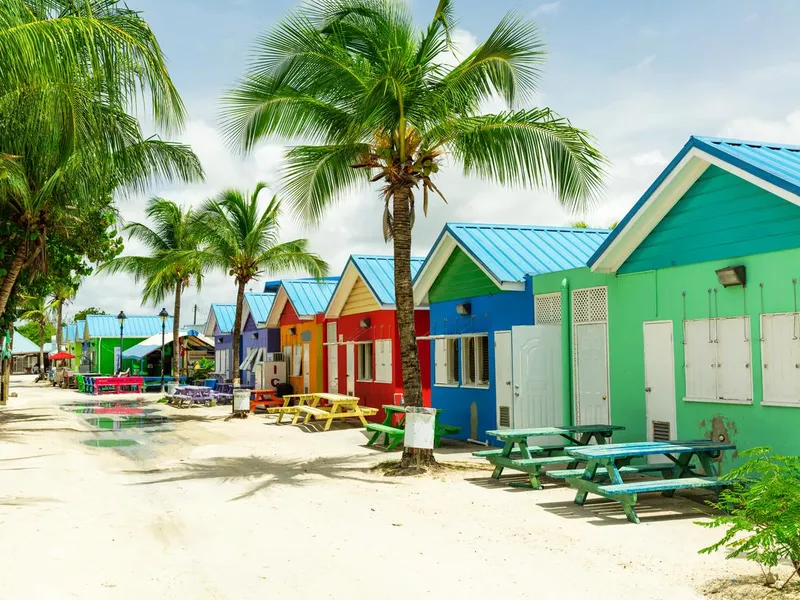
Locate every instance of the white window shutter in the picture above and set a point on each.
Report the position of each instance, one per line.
(383, 361)
(387, 360)
(440, 359)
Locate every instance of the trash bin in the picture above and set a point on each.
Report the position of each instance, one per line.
(241, 400)
(171, 385)
(420, 424)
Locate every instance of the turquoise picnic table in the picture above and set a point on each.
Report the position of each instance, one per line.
(393, 435)
(522, 458)
(606, 465)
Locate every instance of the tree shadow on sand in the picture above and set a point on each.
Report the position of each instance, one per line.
(266, 472)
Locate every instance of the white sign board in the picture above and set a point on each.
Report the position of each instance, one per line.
(420, 423)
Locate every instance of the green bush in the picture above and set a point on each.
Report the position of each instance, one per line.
(762, 511)
(202, 368)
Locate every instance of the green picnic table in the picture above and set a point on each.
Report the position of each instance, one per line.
(523, 459)
(393, 434)
(605, 466)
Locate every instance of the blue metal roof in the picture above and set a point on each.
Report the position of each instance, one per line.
(378, 273)
(778, 164)
(80, 328)
(22, 345)
(136, 326)
(510, 252)
(259, 305)
(225, 315)
(309, 296)
(68, 331)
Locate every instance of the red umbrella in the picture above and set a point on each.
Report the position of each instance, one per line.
(61, 356)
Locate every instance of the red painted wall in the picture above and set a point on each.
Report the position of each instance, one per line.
(289, 316)
(383, 325)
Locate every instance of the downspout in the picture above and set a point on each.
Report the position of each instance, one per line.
(566, 354)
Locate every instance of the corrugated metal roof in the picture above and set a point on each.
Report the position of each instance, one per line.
(260, 305)
(153, 343)
(309, 296)
(378, 273)
(136, 326)
(509, 252)
(22, 345)
(778, 164)
(80, 329)
(225, 315)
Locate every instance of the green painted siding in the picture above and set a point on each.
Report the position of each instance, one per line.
(721, 216)
(659, 296)
(104, 359)
(461, 278)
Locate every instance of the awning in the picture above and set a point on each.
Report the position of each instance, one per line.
(153, 343)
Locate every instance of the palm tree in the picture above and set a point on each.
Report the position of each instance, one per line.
(63, 292)
(70, 74)
(172, 263)
(244, 242)
(36, 311)
(370, 97)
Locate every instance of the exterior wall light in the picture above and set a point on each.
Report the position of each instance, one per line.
(730, 276)
(464, 309)
(364, 323)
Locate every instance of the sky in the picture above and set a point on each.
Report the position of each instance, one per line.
(641, 77)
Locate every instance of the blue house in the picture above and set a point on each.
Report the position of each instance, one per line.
(477, 282)
(257, 338)
(219, 325)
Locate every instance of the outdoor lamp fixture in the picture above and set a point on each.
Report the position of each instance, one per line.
(255, 335)
(163, 316)
(121, 318)
(464, 309)
(292, 330)
(364, 323)
(730, 276)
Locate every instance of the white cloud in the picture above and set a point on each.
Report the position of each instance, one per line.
(548, 8)
(784, 131)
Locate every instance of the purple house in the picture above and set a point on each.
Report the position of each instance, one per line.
(220, 326)
(257, 338)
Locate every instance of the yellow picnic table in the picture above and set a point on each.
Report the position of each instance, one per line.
(337, 406)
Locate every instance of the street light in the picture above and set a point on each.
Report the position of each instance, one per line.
(163, 316)
(121, 318)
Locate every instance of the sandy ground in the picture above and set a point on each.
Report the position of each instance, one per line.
(201, 507)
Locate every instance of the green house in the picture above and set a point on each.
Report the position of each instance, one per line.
(685, 323)
(102, 334)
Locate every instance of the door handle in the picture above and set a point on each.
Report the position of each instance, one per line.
(648, 389)
(508, 383)
(604, 398)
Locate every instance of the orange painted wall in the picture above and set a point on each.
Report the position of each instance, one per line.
(312, 328)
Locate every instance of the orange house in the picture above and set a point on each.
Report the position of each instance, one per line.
(298, 312)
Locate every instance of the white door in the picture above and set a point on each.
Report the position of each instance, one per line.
(591, 374)
(659, 381)
(538, 400)
(350, 349)
(307, 368)
(333, 360)
(502, 379)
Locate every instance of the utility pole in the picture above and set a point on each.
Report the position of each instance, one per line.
(195, 315)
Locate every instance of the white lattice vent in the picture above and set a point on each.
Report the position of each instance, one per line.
(590, 305)
(547, 309)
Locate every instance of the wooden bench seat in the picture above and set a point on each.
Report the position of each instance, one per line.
(393, 436)
(649, 468)
(385, 429)
(661, 485)
(449, 429)
(533, 449)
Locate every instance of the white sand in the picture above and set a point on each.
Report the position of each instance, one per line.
(205, 508)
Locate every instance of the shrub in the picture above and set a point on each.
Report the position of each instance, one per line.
(762, 511)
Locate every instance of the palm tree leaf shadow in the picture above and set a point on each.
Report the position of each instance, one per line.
(266, 471)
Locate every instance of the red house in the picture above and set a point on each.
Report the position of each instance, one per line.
(362, 353)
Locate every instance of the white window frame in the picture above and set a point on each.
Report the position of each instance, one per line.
(712, 326)
(473, 353)
(447, 364)
(297, 360)
(383, 361)
(365, 366)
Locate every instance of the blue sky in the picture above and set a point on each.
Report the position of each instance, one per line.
(641, 76)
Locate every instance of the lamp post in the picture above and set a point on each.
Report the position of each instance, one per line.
(163, 316)
(121, 318)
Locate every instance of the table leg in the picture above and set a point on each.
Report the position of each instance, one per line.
(334, 410)
(526, 454)
(507, 448)
(588, 475)
(359, 414)
(681, 469)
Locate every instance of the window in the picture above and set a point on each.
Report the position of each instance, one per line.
(717, 360)
(780, 358)
(383, 361)
(475, 357)
(365, 353)
(297, 360)
(447, 363)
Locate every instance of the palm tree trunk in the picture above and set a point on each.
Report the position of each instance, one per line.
(404, 301)
(11, 277)
(41, 351)
(59, 324)
(237, 332)
(176, 320)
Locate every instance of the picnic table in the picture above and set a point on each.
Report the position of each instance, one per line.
(191, 394)
(322, 406)
(265, 398)
(393, 434)
(523, 459)
(606, 465)
(116, 385)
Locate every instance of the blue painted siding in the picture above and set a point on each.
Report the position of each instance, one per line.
(495, 312)
(721, 216)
